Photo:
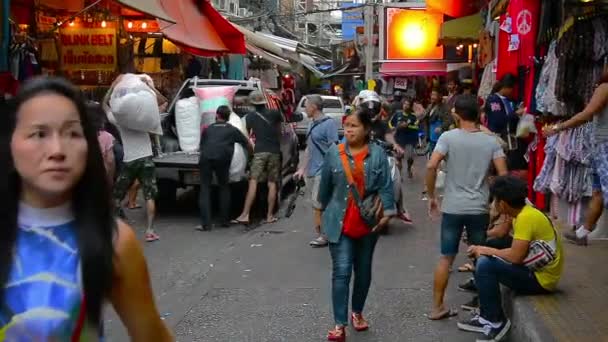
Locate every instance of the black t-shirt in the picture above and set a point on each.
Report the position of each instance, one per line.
(379, 130)
(217, 141)
(267, 132)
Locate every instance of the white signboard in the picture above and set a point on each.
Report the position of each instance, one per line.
(400, 83)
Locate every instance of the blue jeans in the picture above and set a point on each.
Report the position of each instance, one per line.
(452, 226)
(490, 272)
(346, 255)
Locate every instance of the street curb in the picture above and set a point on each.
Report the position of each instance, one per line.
(527, 326)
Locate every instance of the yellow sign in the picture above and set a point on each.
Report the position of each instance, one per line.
(88, 48)
(371, 85)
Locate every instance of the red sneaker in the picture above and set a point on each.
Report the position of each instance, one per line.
(337, 335)
(405, 217)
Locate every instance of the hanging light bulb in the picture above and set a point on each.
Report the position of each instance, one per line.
(104, 24)
(144, 25)
(475, 46)
(71, 23)
(130, 25)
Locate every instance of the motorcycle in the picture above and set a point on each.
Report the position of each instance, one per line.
(422, 147)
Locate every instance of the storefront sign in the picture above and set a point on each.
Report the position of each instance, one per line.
(88, 49)
(413, 34)
(400, 83)
(45, 23)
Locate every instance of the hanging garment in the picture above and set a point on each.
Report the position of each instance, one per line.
(488, 79)
(486, 48)
(236, 67)
(48, 50)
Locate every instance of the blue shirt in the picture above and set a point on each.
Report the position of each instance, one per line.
(321, 135)
(500, 113)
(333, 189)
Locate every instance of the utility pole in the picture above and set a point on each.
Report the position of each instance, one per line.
(369, 34)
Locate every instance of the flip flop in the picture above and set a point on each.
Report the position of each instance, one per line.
(273, 220)
(466, 268)
(135, 207)
(245, 223)
(151, 237)
(443, 315)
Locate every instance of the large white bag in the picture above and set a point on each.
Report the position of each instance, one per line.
(188, 124)
(239, 157)
(134, 105)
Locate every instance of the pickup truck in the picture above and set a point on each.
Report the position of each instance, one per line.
(177, 169)
(332, 107)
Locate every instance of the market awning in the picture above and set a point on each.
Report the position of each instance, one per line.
(463, 30)
(200, 29)
(413, 68)
(272, 58)
(337, 71)
(456, 8)
(150, 7)
(260, 41)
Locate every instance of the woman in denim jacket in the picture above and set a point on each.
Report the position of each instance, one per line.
(341, 217)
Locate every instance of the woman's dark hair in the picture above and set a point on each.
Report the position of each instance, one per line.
(510, 190)
(94, 222)
(604, 78)
(97, 116)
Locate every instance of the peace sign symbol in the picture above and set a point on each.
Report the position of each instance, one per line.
(524, 22)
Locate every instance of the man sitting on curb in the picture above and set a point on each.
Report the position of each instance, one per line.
(513, 267)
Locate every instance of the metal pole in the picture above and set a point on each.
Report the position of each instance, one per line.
(369, 34)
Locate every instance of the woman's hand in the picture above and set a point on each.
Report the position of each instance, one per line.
(381, 225)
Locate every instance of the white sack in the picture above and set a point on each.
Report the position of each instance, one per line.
(188, 124)
(239, 157)
(134, 105)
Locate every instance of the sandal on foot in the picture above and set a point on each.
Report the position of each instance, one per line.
(359, 323)
(151, 237)
(337, 335)
(447, 313)
(241, 222)
(466, 268)
(272, 220)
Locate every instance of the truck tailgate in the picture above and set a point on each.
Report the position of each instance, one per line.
(182, 160)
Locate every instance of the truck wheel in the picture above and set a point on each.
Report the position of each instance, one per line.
(167, 193)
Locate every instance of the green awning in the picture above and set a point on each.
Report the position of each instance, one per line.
(463, 30)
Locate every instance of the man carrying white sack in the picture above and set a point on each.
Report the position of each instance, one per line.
(134, 109)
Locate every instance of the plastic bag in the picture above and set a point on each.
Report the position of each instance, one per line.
(238, 164)
(134, 105)
(210, 99)
(525, 126)
(188, 123)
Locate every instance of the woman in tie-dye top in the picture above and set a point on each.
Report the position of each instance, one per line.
(62, 254)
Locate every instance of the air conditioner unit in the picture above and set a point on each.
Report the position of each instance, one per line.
(243, 12)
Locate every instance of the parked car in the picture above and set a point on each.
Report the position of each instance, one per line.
(177, 169)
(332, 107)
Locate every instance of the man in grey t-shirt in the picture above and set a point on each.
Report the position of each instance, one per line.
(468, 153)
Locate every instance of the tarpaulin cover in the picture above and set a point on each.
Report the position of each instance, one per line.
(200, 29)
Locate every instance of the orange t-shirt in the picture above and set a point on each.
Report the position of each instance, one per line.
(352, 218)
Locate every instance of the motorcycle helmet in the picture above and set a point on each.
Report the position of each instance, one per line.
(370, 100)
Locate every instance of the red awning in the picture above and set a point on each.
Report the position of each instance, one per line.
(201, 30)
(414, 68)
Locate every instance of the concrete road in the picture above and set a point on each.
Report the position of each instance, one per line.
(268, 285)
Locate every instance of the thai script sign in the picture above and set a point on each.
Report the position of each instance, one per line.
(88, 48)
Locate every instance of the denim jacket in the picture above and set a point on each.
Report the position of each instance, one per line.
(334, 190)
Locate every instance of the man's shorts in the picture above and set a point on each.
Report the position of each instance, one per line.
(266, 167)
(452, 226)
(313, 183)
(141, 169)
(409, 152)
